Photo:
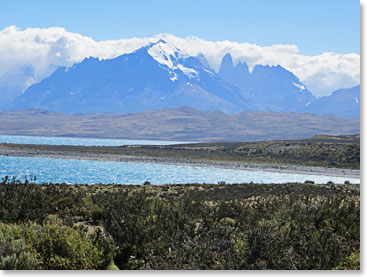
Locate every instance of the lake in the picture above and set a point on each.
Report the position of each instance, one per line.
(91, 172)
(82, 141)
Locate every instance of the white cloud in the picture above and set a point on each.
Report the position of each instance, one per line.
(40, 51)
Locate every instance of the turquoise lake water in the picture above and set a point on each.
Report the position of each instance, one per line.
(91, 172)
(82, 141)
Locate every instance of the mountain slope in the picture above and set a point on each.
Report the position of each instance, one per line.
(343, 102)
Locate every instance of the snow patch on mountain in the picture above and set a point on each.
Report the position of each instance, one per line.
(165, 53)
(169, 55)
(189, 72)
(208, 71)
(301, 87)
(174, 77)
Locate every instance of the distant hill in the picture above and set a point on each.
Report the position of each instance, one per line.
(182, 124)
(336, 139)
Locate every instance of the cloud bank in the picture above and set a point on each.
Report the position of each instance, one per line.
(27, 56)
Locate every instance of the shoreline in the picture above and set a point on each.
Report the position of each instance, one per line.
(309, 170)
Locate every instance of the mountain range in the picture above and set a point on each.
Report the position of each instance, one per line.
(160, 76)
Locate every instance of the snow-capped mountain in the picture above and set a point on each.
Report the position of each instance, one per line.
(160, 76)
(153, 77)
(343, 102)
(267, 88)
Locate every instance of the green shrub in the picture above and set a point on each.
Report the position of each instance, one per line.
(53, 246)
(286, 231)
(350, 263)
(14, 253)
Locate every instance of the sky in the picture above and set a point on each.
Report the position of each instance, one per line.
(317, 40)
(315, 26)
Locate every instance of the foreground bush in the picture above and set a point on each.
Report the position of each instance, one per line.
(14, 253)
(49, 246)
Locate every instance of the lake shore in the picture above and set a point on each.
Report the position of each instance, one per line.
(337, 172)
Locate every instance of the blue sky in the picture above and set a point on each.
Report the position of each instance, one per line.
(315, 26)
